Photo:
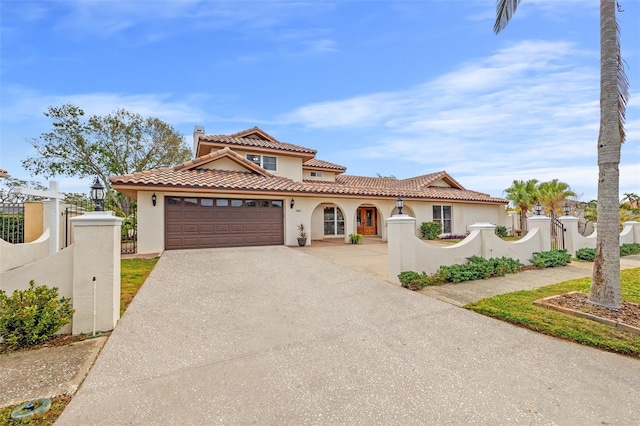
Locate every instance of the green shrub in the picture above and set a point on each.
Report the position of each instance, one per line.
(430, 230)
(629, 249)
(479, 268)
(587, 254)
(355, 238)
(30, 317)
(501, 231)
(415, 281)
(550, 259)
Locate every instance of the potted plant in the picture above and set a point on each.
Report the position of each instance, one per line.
(302, 235)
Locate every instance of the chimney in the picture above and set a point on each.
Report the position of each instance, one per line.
(197, 132)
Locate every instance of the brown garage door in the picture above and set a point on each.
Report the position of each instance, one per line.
(192, 222)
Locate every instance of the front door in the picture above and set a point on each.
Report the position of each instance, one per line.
(367, 221)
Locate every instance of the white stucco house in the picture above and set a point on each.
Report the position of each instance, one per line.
(250, 189)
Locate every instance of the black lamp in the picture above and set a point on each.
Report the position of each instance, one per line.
(538, 208)
(154, 199)
(566, 209)
(97, 194)
(399, 204)
(293, 203)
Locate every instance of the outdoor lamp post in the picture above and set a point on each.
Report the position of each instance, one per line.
(538, 209)
(399, 204)
(97, 195)
(566, 209)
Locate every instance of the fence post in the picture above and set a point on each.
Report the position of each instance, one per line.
(571, 234)
(543, 223)
(485, 229)
(96, 254)
(401, 257)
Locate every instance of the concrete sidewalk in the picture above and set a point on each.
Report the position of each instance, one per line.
(272, 335)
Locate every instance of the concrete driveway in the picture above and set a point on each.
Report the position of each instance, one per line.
(273, 335)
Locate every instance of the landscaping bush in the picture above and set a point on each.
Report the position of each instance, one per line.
(550, 259)
(587, 254)
(479, 268)
(355, 238)
(415, 281)
(501, 231)
(453, 237)
(629, 249)
(430, 230)
(30, 317)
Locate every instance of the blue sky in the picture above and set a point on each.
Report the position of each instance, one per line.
(392, 87)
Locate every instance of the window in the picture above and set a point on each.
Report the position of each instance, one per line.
(276, 203)
(316, 174)
(236, 203)
(265, 161)
(221, 202)
(333, 221)
(442, 215)
(206, 202)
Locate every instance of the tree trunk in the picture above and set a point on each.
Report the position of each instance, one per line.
(523, 222)
(605, 284)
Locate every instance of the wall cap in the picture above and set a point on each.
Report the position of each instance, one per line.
(482, 225)
(107, 218)
(400, 218)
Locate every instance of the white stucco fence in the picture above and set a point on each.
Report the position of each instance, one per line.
(94, 257)
(573, 241)
(406, 252)
(15, 255)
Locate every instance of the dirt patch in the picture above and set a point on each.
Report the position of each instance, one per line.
(629, 314)
(55, 341)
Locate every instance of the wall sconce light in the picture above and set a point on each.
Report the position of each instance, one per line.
(97, 195)
(538, 209)
(566, 209)
(399, 204)
(154, 199)
(293, 203)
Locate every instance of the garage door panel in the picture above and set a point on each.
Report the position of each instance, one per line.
(205, 222)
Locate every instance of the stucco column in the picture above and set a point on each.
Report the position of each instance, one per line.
(543, 223)
(486, 230)
(96, 256)
(400, 254)
(571, 234)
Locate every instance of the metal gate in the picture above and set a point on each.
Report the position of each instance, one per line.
(557, 234)
(128, 233)
(12, 222)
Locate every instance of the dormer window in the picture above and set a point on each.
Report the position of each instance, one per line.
(316, 174)
(265, 161)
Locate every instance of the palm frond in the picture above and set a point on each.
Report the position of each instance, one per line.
(623, 86)
(504, 11)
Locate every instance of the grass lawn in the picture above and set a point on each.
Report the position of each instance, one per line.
(518, 308)
(133, 273)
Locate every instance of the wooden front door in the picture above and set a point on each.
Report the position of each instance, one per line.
(367, 221)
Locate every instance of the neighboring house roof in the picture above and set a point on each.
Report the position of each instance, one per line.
(195, 179)
(324, 165)
(255, 138)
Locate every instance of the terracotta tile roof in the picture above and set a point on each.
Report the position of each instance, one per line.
(201, 179)
(255, 137)
(320, 164)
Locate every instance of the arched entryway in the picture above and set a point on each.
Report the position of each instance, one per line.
(328, 221)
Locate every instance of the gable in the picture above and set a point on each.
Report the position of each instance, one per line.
(224, 163)
(440, 183)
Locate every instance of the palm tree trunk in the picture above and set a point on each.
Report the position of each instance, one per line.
(605, 284)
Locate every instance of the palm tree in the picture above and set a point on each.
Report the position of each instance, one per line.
(553, 195)
(605, 283)
(523, 195)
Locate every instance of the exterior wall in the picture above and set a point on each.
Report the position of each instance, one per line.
(326, 176)
(33, 220)
(308, 211)
(15, 255)
(289, 167)
(574, 241)
(463, 214)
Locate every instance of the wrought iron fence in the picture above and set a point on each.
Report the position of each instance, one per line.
(12, 222)
(129, 230)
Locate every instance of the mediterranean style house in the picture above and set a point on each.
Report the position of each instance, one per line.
(250, 189)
